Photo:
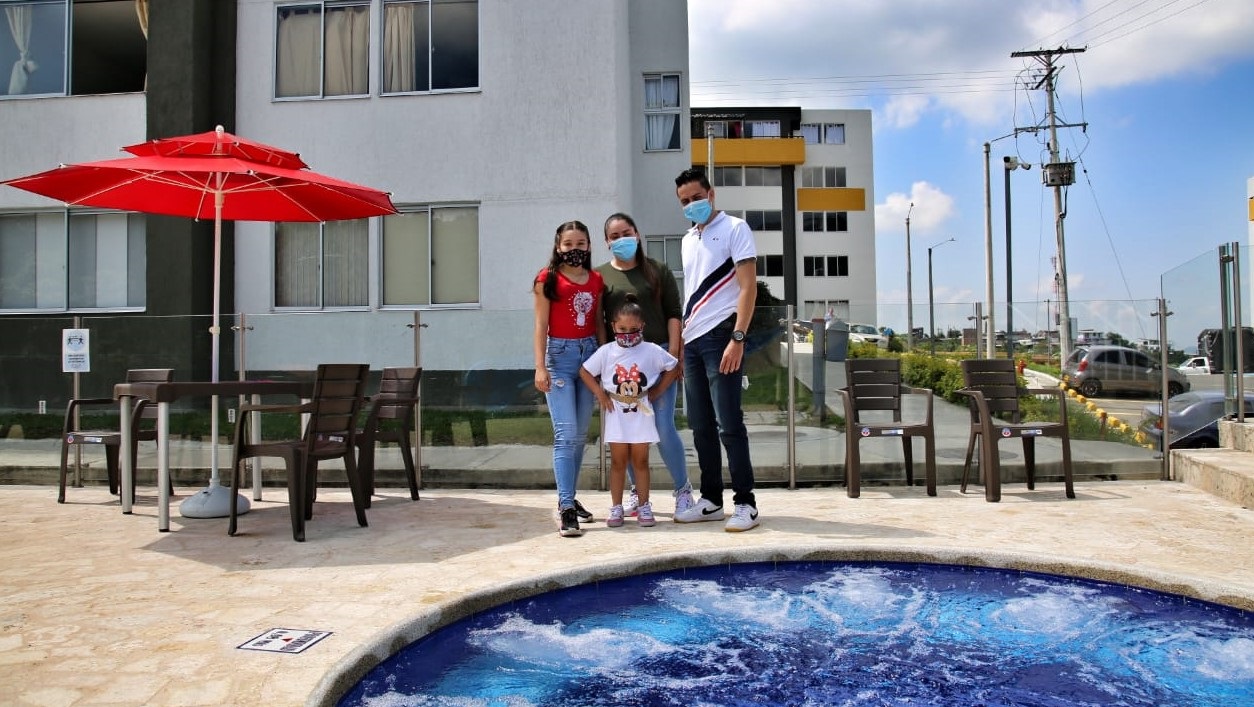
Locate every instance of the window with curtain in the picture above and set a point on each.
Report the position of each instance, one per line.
(430, 256)
(72, 261)
(661, 112)
(668, 250)
(763, 128)
(323, 49)
(833, 133)
(430, 45)
(322, 265)
(107, 40)
(810, 131)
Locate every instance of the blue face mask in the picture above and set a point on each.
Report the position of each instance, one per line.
(624, 248)
(698, 211)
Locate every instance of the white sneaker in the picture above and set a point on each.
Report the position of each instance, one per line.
(683, 499)
(631, 503)
(703, 510)
(745, 517)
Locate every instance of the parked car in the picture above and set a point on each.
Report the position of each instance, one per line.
(1094, 370)
(1196, 366)
(1193, 418)
(866, 334)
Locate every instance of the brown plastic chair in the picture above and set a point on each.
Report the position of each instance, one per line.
(329, 434)
(993, 392)
(875, 384)
(142, 421)
(390, 419)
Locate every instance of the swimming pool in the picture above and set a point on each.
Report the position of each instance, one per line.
(830, 633)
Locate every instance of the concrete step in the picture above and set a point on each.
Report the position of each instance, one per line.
(1237, 435)
(1226, 473)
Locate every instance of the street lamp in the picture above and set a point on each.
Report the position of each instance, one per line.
(909, 288)
(931, 308)
(1011, 164)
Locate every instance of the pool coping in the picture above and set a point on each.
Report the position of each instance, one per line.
(348, 671)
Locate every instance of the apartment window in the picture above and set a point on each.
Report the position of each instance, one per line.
(323, 49)
(819, 309)
(764, 220)
(763, 177)
(823, 133)
(724, 129)
(661, 112)
(430, 45)
(770, 266)
(826, 266)
(431, 256)
(728, 177)
(820, 221)
(762, 128)
(823, 177)
(106, 39)
(76, 261)
(321, 265)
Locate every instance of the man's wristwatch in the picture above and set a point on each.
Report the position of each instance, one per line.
(738, 336)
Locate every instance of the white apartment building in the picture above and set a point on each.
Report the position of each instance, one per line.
(804, 181)
(490, 122)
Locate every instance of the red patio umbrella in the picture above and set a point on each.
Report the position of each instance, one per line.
(210, 175)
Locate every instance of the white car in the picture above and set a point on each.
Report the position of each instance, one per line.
(866, 334)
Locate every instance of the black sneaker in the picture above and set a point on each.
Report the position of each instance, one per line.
(584, 514)
(570, 524)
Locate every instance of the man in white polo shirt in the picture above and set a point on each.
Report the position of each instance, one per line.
(720, 285)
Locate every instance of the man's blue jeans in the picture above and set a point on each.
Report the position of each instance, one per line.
(715, 415)
(570, 405)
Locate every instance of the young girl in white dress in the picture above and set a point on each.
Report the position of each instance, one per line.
(625, 374)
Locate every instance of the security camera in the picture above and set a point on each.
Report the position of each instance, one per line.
(1014, 163)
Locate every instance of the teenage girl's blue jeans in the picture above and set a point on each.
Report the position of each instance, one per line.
(715, 415)
(570, 405)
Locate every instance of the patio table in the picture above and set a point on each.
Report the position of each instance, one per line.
(162, 394)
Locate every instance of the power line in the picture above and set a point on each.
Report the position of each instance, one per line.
(1150, 24)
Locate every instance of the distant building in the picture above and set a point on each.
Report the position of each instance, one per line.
(804, 181)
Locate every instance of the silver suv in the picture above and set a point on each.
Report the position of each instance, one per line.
(1094, 370)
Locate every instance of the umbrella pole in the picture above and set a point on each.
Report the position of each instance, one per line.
(215, 500)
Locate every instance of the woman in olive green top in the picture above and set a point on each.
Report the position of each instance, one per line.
(629, 270)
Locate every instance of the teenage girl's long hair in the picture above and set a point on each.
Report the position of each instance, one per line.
(646, 266)
(550, 277)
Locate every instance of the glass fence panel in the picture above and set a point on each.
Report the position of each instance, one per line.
(1200, 349)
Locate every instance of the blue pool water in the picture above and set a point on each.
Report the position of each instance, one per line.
(831, 633)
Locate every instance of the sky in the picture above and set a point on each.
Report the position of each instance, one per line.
(1166, 88)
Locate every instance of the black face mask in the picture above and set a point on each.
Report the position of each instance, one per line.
(576, 258)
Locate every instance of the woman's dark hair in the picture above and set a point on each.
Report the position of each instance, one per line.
(646, 266)
(630, 307)
(550, 277)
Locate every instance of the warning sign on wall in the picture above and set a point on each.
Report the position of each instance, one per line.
(284, 640)
(75, 351)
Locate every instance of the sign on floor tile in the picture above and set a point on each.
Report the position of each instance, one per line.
(284, 640)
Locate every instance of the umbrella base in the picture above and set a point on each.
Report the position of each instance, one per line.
(213, 502)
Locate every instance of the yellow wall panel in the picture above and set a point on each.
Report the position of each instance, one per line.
(753, 152)
(842, 199)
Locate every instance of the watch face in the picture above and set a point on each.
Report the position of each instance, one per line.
(738, 335)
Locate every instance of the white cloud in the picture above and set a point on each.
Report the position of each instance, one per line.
(933, 208)
(907, 57)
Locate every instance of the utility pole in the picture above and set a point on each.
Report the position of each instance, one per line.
(1057, 175)
(909, 287)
